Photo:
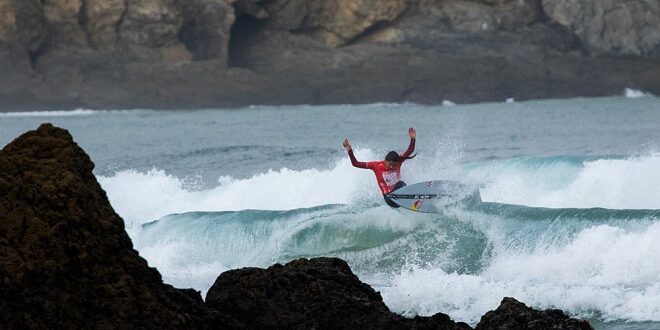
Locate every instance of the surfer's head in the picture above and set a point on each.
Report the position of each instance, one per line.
(391, 159)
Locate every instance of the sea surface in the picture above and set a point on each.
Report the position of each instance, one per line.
(570, 216)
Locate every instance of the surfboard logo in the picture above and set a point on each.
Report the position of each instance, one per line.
(417, 204)
(429, 184)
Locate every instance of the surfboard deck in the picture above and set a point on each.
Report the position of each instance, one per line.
(427, 196)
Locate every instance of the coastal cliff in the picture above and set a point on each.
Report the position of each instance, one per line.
(57, 54)
(67, 262)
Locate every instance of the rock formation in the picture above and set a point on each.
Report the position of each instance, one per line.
(611, 26)
(65, 260)
(321, 293)
(212, 53)
(512, 314)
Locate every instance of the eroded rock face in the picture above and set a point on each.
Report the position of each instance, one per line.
(101, 19)
(512, 314)
(65, 259)
(611, 26)
(320, 293)
(23, 22)
(62, 16)
(152, 23)
(206, 27)
(334, 22)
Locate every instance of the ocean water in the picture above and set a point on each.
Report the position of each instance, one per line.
(570, 216)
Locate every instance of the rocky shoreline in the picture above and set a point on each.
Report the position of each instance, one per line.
(67, 262)
(177, 54)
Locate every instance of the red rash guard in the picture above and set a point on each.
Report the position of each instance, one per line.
(386, 178)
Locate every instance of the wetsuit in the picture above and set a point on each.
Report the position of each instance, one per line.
(388, 179)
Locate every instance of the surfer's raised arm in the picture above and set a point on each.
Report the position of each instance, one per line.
(411, 147)
(354, 161)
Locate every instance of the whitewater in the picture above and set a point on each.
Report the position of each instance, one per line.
(570, 216)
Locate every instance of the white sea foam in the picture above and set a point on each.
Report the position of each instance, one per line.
(607, 270)
(141, 197)
(635, 94)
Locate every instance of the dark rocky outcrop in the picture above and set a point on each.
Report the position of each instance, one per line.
(217, 53)
(513, 314)
(321, 293)
(65, 258)
(67, 262)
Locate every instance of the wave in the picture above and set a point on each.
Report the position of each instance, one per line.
(551, 182)
(577, 233)
(141, 197)
(593, 262)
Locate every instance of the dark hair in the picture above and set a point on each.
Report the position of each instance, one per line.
(393, 156)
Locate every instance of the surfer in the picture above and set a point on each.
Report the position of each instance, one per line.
(388, 171)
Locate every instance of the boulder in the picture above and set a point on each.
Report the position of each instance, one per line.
(512, 314)
(319, 293)
(65, 258)
(611, 26)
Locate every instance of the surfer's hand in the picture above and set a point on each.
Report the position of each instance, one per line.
(347, 145)
(412, 133)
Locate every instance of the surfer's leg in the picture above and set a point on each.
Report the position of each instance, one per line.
(390, 202)
(398, 185)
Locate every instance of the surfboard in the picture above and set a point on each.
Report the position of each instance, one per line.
(428, 196)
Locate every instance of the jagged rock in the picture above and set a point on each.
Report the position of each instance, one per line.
(206, 27)
(512, 314)
(333, 22)
(611, 26)
(65, 259)
(320, 293)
